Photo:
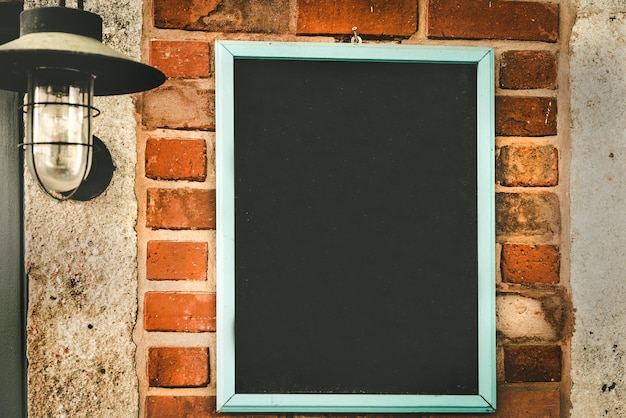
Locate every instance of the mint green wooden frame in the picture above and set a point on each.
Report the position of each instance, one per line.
(229, 401)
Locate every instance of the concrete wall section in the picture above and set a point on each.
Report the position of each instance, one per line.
(81, 260)
(598, 210)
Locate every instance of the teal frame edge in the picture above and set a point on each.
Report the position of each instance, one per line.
(229, 401)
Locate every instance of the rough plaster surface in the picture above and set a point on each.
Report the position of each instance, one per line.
(598, 211)
(600, 5)
(82, 264)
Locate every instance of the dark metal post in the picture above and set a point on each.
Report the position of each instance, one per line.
(12, 278)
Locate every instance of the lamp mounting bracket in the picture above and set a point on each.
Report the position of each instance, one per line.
(80, 4)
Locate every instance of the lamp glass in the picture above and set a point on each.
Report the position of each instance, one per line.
(58, 127)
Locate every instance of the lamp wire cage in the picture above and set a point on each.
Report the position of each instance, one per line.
(28, 148)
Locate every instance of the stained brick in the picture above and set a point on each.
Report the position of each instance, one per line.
(530, 263)
(530, 214)
(223, 15)
(527, 166)
(532, 363)
(173, 260)
(171, 159)
(179, 104)
(525, 116)
(178, 367)
(180, 406)
(520, 318)
(493, 19)
(179, 312)
(371, 17)
(528, 70)
(186, 59)
(180, 209)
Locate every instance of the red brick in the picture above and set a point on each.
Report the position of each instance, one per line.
(525, 116)
(172, 260)
(223, 15)
(182, 14)
(532, 363)
(179, 312)
(528, 70)
(527, 166)
(379, 18)
(179, 104)
(173, 367)
(528, 214)
(530, 263)
(172, 159)
(180, 406)
(180, 209)
(522, 404)
(184, 59)
(493, 19)
(542, 404)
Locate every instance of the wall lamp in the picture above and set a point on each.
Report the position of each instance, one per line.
(59, 61)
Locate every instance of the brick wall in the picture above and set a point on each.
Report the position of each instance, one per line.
(176, 181)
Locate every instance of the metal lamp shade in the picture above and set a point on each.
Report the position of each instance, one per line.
(58, 37)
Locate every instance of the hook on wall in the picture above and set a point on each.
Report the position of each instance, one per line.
(356, 39)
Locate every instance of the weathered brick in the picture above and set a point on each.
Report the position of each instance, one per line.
(180, 406)
(527, 166)
(532, 363)
(182, 59)
(224, 15)
(493, 19)
(528, 404)
(180, 209)
(530, 263)
(179, 104)
(525, 116)
(521, 404)
(179, 312)
(528, 70)
(173, 260)
(530, 214)
(380, 18)
(172, 159)
(171, 367)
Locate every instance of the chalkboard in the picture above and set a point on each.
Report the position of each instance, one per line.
(355, 228)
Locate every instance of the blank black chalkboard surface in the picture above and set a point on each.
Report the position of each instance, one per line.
(355, 228)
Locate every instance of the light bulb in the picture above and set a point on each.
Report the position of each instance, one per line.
(58, 128)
